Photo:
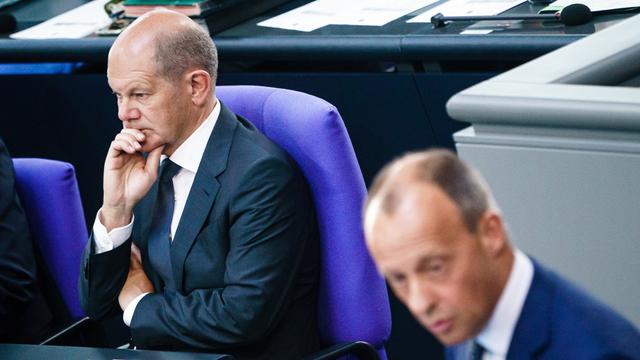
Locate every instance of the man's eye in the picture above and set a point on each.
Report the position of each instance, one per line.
(396, 280)
(140, 95)
(435, 268)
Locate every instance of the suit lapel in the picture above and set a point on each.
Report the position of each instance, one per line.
(532, 331)
(203, 191)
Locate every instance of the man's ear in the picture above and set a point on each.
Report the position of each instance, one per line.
(492, 233)
(200, 85)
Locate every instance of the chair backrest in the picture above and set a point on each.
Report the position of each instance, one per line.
(49, 193)
(353, 303)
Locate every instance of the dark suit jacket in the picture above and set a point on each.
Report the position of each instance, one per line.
(244, 257)
(560, 321)
(24, 314)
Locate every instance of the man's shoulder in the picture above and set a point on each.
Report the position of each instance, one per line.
(576, 321)
(250, 146)
(248, 137)
(568, 298)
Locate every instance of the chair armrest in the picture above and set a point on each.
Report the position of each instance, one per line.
(70, 332)
(361, 349)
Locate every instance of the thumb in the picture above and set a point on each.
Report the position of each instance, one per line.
(135, 263)
(135, 251)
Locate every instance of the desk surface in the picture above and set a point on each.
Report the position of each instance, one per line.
(44, 352)
(396, 41)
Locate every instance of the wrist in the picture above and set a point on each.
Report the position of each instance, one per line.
(115, 216)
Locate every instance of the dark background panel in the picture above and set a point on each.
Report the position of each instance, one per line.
(71, 118)
(435, 90)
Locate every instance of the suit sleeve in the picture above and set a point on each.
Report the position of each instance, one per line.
(102, 276)
(268, 230)
(17, 261)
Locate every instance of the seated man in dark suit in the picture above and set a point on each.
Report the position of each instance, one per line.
(24, 314)
(437, 235)
(214, 248)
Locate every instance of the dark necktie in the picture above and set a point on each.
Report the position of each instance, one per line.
(476, 351)
(159, 244)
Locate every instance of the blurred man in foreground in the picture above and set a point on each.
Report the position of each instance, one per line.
(437, 235)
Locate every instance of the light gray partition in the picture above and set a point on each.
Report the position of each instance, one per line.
(558, 140)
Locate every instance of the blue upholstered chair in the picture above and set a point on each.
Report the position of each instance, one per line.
(353, 303)
(49, 194)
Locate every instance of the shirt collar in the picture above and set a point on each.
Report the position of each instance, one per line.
(190, 152)
(496, 335)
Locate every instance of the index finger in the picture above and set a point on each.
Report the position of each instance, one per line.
(139, 135)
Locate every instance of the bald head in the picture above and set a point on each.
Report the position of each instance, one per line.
(441, 168)
(176, 43)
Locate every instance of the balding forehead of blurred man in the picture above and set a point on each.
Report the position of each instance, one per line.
(437, 235)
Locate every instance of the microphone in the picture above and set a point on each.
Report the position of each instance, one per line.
(574, 14)
(7, 23)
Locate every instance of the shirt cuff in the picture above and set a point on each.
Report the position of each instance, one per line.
(108, 241)
(131, 308)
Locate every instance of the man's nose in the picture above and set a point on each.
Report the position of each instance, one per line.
(421, 300)
(126, 111)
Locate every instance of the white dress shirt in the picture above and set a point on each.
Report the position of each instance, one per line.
(496, 335)
(187, 156)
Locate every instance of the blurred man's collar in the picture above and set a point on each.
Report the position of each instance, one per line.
(496, 335)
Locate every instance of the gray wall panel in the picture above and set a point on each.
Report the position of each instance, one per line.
(574, 210)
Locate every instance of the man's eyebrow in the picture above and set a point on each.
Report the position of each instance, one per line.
(428, 259)
(128, 90)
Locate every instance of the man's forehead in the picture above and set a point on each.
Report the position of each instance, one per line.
(123, 77)
(128, 58)
(421, 220)
(419, 203)
(407, 246)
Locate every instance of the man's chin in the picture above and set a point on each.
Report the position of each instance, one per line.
(149, 146)
(451, 338)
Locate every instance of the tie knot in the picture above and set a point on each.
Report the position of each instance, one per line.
(169, 170)
(477, 351)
